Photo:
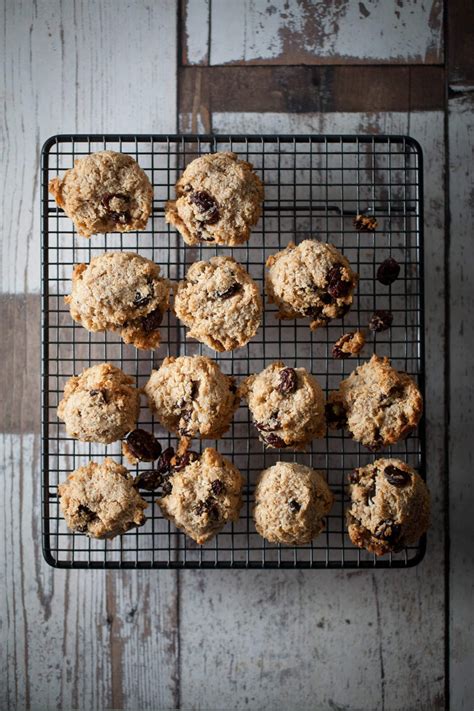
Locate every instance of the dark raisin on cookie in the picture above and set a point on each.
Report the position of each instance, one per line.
(86, 515)
(143, 445)
(167, 488)
(380, 321)
(164, 464)
(206, 205)
(288, 381)
(294, 505)
(388, 271)
(122, 216)
(100, 396)
(152, 321)
(389, 531)
(275, 441)
(353, 476)
(149, 480)
(273, 423)
(217, 487)
(230, 291)
(397, 477)
(180, 461)
(365, 223)
(337, 286)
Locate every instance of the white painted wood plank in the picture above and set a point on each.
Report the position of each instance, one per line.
(74, 67)
(196, 31)
(310, 32)
(461, 373)
(325, 639)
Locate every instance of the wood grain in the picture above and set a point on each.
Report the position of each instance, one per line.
(309, 32)
(338, 640)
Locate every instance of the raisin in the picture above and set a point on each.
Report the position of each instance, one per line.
(212, 508)
(217, 487)
(86, 515)
(380, 321)
(388, 271)
(230, 291)
(149, 480)
(181, 461)
(343, 310)
(270, 425)
(338, 353)
(206, 205)
(143, 445)
(397, 477)
(288, 381)
(365, 223)
(294, 505)
(164, 464)
(327, 299)
(119, 216)
(275, 441)
(167, 488)
(337, 286)
(335, 414)
(353, 477)
(388, 530)
(152, 321)
(101, 395)
(200, 508)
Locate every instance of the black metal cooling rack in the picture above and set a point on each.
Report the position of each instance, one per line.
(314, 186)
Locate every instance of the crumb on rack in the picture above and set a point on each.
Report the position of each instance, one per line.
(365, 223)
(348, 344)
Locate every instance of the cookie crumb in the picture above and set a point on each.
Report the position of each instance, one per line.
(348, 344)
(365, 223)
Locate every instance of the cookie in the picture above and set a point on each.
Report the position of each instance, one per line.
(378, 405)
(204, 496)
(192, 397)
(287, 406)
(311, 280)
(104, 192)
(220, 303)
(99, 405)
(101, 501)
(120, 291)
(291, 501)
(219, 198)
(390, 506)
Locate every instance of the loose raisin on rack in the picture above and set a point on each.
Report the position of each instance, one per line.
(152, 321)
(288, 381)
(365, 223)
(149, 480)
(143, 445)
(206, 205)
(397, 477)
(217, 487)
(230, 291)
(388, 271)
(388, 530)
(164, 464)
(380, 321)
(335, 415)
(337, 286)
(294, 505)
(275, 441)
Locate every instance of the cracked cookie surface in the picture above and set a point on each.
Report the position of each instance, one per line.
(104, 192)
(220, 303)
(120, 291)
(219, 198)
(378, 405)
(312, 280)
(99, 405)
(192, 397)
(205, 495)
(101, 501)
(287, 405)
(390, 506)
(291, 501)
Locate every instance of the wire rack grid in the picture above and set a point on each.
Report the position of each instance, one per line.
(314, 186)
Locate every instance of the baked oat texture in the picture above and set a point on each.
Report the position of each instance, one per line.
(192, 397)
(219, 198)
(100, 500)
(99, 405)
(120, 291)
(220, 303)
(390, 506)
(291, 501)
(287, 405)
(311, 280)
(380, 404)
(205, 495)
(104, 192)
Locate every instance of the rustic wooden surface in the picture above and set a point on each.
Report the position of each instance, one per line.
(257, 640)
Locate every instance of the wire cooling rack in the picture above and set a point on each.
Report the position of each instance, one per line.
(314, 186)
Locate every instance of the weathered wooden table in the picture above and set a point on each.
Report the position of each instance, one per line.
(231, 640)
